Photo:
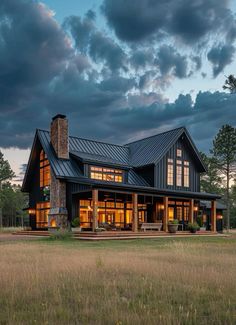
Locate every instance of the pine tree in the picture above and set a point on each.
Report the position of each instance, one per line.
(230, 84)
(224, 153)
(211, 181)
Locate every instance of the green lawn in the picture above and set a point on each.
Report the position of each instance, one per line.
(145, 281)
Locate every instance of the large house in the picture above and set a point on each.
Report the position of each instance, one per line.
(155, 179)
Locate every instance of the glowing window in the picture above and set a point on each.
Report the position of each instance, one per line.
(106, 174)
(170, 172)
(179, 153)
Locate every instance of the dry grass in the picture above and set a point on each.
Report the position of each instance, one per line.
(182, 281)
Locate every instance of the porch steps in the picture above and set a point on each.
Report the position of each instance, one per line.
(37, 233)
(121, 235)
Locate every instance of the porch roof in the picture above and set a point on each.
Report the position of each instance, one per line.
(153, 191)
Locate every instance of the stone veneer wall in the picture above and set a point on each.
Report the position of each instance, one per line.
(59, 137)
(58, 215)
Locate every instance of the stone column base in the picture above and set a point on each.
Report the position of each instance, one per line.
(57, 219)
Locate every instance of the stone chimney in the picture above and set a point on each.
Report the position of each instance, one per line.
(58, 215)
(59, 136)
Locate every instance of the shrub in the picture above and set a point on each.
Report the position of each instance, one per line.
(193, 227)
(75, 222)
(61, 234)
(173, 222)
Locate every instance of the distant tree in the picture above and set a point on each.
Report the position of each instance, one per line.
(224, 153)
(230, 84)
(211, 181)
(233, 205)
(13, 202)
(6, 173)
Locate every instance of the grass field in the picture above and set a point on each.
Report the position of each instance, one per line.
(157, 281)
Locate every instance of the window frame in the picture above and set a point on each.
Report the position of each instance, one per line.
(104, 173)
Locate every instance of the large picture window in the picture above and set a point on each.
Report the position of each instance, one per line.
(106, 174)
(42, 210)
(44, 170)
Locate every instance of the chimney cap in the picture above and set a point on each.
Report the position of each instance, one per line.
(59, 116)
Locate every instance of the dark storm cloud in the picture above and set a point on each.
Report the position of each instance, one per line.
(105, 88)
(103, 49)
(168, 59)
(81, 29)
(33, 50)
(190, 21)
(220, 56)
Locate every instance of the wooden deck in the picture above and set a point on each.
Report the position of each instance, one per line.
(121, 235)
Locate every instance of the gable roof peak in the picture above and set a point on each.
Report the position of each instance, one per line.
(157, 134)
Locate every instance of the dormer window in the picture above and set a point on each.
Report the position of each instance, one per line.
(106, 174)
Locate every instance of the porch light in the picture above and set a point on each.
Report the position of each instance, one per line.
(31, 211)
(195, 208)
(219, 217)
(161, 206)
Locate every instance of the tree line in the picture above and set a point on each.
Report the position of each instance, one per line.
(12, 200)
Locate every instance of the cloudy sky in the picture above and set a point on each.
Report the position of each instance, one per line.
(120, 70)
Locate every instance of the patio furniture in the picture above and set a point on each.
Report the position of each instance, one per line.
(151, 226)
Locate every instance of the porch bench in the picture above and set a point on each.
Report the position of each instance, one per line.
(151, 226)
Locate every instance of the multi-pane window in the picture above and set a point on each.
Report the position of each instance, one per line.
(170, 172)
(106, 174)
(186, 173)
(179, 153)
(44, 170)
(178, 173)
(42, 210)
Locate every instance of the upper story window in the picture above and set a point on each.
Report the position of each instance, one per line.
(170, 172)
(186, 173)
(178, 173)
(182, 173)
(106, 174)
(179, 153)
(44, 170)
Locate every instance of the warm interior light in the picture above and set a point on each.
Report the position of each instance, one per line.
(53, 223)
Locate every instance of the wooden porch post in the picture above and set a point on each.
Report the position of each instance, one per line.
(95, 208)
(165, 213)
(191, 211)
(135, 212)
(213, 216)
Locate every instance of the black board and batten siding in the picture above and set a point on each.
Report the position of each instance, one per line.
(161, 169)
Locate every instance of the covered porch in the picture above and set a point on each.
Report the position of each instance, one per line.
(123, 211)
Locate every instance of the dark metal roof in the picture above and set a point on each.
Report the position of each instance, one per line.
(219, 205)
(95, 158)
(148, 190)
(100, 149)
(151, 150)
(62, 168)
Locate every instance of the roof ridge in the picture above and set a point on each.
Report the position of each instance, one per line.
(154, 135)
(86, 139)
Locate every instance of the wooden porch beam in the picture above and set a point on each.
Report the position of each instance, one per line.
(191, 211)
(95, 208)
(213, 216)
(135, 212)
(165, 213)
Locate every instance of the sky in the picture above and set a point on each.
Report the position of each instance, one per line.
(120, 70)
